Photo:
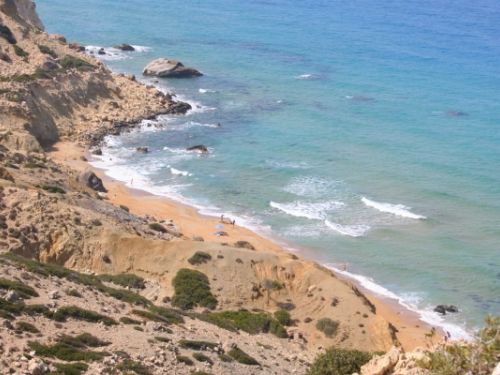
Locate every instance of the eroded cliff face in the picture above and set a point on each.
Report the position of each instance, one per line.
(52, 90)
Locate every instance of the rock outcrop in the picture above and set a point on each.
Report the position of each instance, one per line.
(166, 68)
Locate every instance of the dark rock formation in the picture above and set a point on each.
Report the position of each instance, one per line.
(89, 179)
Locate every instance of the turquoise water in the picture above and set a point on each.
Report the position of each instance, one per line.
(333, 113)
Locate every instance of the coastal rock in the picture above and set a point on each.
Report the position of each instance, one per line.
(382, 365)
(179, 108)
(50, 64)
(96, 151)
(37, 367)
(60, 38)
(5, 175)
(199, 148)
(76, 47)
(166, 68)
(142, 150)
(89, 179)
(125, 47)
(5, 57)
(101, 51)
(443, 309)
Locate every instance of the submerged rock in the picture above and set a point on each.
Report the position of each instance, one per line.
(125, 47)
(169, 69)
(142, 150)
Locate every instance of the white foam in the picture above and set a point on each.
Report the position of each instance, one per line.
(178, 172)
(426, 315)
(358, 230)
(395, 209)
(307, 76)
(191, 124)
(287, 165)
(114, 54)
(313, 211)
(205, 91)
(308, 186)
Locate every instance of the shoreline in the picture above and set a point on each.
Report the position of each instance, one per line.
(412, 331)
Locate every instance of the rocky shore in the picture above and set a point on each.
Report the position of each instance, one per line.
(81, 255)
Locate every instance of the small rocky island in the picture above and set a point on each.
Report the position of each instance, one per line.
(167, 68)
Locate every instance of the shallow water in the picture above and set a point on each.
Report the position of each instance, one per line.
(366, 133)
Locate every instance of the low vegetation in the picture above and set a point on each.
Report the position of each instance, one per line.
(283, 317)
(186, 360)
(83, 340)
(72, 62)
(478, 357)
(47, 51)
(75, 312)
(66, 352)
(247, 321)
(49, 269)
(200, 357)
(22, 290)
(70, 368)
(128, 366)
(339, 362)
(26, 327)
(200, 257)
(19, 51)
(125, 280)
(241, 357)
(197, 345)
(192, 289)
(328, 326)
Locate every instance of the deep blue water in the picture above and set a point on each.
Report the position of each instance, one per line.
(332, 114)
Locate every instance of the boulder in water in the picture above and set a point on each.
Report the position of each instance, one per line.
(166, 68)
(443, 309)
(200, 148)
(142, 150)
(125, 47)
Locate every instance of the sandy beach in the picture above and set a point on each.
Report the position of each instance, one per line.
(411, 331)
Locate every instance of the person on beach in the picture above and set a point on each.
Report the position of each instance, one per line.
(222, 218)
(234, 222)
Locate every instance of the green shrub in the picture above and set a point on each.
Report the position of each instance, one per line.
(26, 327)
(197, 345)
(244, 245)
(49, 269)
(200, 373)
(339, 362)
(241, 357)
(247, 321)
(158, 227)
(125, 280)
(83, 340)
(160, 314)
(225, 358)
(327, 326)
(162, 339)
(283, 317)
(19, 51)
(129, 365)
(24, 291)
(273, 285)
(34, 310)
(69, 368)
(75, 312)
(200, 257)
(200, 357)
(65, 352)
(47, 51)
(124, 208)
(73, 293)
(127, 320)
(192, 289)
(8, 309)
(478, 357)
(185, 360)
(53, 189)
(72, 62)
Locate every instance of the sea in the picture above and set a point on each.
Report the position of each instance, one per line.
(362, 134)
